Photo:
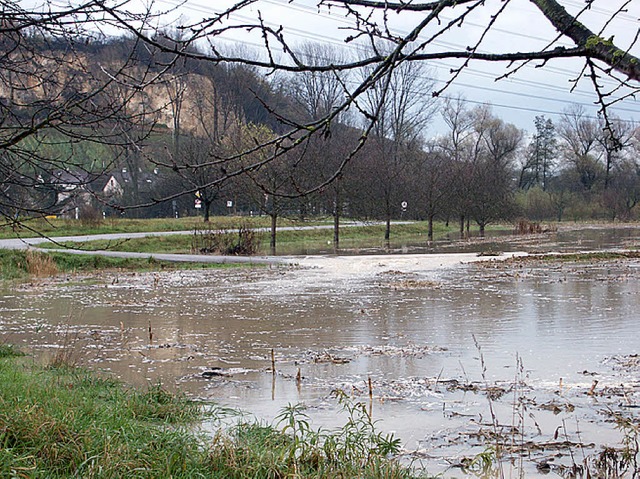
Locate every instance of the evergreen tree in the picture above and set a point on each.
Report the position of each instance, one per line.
(542, 153)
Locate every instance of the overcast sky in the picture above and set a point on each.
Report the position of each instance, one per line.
(532, 91)
(521, 27)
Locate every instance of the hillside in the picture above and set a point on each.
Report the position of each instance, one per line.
(54, 72)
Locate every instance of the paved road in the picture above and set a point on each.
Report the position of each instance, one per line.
(25, 243)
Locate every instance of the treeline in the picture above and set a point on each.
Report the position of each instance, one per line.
(479, 170)
(219, 138)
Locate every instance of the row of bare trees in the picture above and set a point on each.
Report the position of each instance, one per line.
(329, 132)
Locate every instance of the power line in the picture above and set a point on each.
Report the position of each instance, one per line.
(448, 45)
(441, 64)
(316, 37)
(547, 87)
(601, 11)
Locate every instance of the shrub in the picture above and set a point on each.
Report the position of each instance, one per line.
(241, 240)
(40, 265)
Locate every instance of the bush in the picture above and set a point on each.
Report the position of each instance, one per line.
(242, 240)
(90, 217)
(40, 265)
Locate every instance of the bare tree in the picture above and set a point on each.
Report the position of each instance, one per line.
(403, 107)
(457, 145)
(216, 125)
(267, 185)
(623, 195)
(57, 104)
(429, 23)
(492, 183)
(481, 149)
(580, 135)
(615, 139)
(63, 108)
(429, 183)
(318, 93)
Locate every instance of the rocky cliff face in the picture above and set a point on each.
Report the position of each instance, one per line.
(71, 86)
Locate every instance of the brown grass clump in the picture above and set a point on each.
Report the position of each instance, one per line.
(41, 265)
(241, 241)
(524, 227)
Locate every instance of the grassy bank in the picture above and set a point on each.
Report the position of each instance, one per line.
(67, 227)
(289, 241)
(22, 264)
(60, 422)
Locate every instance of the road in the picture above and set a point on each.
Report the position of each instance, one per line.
(26, 243)
(32, 243)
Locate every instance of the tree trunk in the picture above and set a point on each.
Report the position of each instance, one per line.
(206, 210)
(461, 226)
(607, 171)
(272, 243)
(387, 230)
(430, 228)
(481, 225)
(337, 211)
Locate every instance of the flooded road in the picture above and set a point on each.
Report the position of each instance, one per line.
(536, 359)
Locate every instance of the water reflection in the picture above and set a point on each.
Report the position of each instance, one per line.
(418, 335)
(567, 238)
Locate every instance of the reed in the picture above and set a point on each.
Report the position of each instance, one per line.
(40, 265)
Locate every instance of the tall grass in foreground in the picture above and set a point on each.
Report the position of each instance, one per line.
(294, 449)
(64, 422)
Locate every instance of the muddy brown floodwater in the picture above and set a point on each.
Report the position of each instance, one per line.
(537, 360)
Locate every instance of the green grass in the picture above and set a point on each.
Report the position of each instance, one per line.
(288, 241)
(65, 422)
(293, 449)
(9, 351)
(22, 265)
(179, 244)
(67, 227)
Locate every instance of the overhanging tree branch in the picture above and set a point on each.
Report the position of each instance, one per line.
(591, 44)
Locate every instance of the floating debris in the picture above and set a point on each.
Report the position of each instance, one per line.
(224, 372)
(402, 351)
(399, 280)
(330, 358)
(215, 372)
(490, 253)
(556, 407)
(629, 362)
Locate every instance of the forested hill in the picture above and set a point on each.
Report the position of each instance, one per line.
(75, 110)
(51, 69)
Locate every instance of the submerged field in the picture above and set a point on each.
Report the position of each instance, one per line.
(517, 368)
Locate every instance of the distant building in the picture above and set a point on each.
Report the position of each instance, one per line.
(72, 192)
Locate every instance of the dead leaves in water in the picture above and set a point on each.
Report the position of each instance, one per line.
(348, 355)
(326, 357)
(398, 280)
(629, 362)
